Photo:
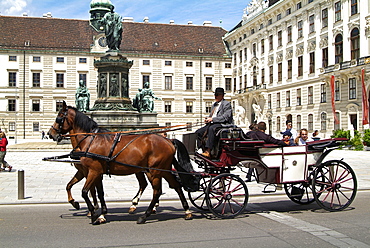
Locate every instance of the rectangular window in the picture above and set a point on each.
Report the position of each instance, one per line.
(300, 66)
(269, 104)
(280, 72)
(168, 63)
(227, 65)
(208, 107)
(146, 62)
(312, 62)
(271, 76)
(324, 18)
(11, 104)
(262, 75)
(280, 38)
(190, 64)
(299, 5)
(240, 56)
(36, 127)
(325, 57)
(83, 77)
(289, 32)
(338, 11)
(299, 97)
(36, 105)
(288, 11)
(278, 100)
(58, 105)
(278, 123)
(245, 53)
(36, 59)
(189, 107)
(82, 60)
(167, 106)
(323, 93)
(300, 29)
(12, 58)
(12, 79)
(262, 46)
(299, 122)
(208, 83)
(310, 1)
(352, 88)
(146, 78)
(234, 58)
(11, 126)
(290, 69)
(278, 17)
(310, 122)
(252, 31)
(354, 8)
(36, 82)
(311, 20)
(60, 59)
(288, 98)
(60, 80)
(310, 95)
(168, 82)
(271, 42)
(269, 22)
(189, 83)
(254, 49)
(209, 64)
(228, 84)
(323, 121)
(337, 91)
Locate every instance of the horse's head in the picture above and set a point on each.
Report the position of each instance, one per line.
(63, 123)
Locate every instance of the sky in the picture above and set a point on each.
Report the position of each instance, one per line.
(158, 11)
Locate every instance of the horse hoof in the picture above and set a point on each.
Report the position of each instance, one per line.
(94, 217)
(141, 220)
(88, 214)
(77, 205)
(154, 211)
(188, 216)
(131, 210)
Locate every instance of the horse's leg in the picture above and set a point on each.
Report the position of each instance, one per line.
(142, 185)
(95, 200)
(77, 177)
(157, 191)
(92, 180)
(99, 187)
(173, 183)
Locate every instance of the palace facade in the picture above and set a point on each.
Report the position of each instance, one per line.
(284, 54)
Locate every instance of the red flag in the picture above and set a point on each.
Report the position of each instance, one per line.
(365, 103)
(332, 88)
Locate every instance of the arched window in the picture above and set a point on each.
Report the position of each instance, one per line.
(355, 43)
(278, 124)
(299, 122)
(323, 121)
(310, 122)
(338, 49)
(254, 75)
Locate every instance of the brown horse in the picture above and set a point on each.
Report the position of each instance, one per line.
(123, 155)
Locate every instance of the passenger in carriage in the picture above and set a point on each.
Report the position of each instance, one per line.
(302, 138)
(220, 115)
(287, 138)
(260, 134)
(289, 127)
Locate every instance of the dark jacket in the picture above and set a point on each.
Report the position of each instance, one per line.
(224, 114)
(259, 135)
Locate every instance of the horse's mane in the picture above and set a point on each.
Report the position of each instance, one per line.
(86, 123)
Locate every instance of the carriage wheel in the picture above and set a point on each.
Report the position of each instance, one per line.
(337, 183)
(301, 193)
(198, 198)
(227, 195)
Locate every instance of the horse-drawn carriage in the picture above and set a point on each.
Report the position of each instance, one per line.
(301, 169)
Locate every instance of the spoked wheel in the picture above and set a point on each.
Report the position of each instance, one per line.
(337, 185)
(302, 192)
(227, 195)
(198, 198)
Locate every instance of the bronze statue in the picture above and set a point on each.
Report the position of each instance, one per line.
(113, 29)
(82, 97)
(143, 101)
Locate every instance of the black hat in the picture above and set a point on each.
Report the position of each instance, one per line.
(287, 133)
(220, 91)
(288, 121)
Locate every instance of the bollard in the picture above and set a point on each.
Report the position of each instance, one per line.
(20, 184)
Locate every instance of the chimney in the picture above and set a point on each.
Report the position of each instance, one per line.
(172, 22)
(128, 19)
(190, 22)
(48, 15)
(146, 19)
(25, 14)
(207, 23)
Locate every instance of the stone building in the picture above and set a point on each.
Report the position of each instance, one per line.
(43, 59)
(284, 54)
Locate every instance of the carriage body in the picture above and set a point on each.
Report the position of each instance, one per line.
(300, 169)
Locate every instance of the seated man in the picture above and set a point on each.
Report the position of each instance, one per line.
(259, 134)
(221, 114)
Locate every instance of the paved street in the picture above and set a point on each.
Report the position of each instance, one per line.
(45, 181)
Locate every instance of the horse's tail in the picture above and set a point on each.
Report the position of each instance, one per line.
(189, 180)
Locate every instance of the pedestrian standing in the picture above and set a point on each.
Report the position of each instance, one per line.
(3, 144)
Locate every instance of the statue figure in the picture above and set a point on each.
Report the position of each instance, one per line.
(257, 110)
(114, 85)
(103, 85)
(240, 116)
(113, 29)
(143, 100)
(82, 97)
(124, 87)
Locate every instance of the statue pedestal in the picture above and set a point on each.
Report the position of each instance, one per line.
(113, 108)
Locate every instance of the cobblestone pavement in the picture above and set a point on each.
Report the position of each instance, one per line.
(45, 181)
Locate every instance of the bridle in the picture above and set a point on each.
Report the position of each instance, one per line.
(60, 120)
